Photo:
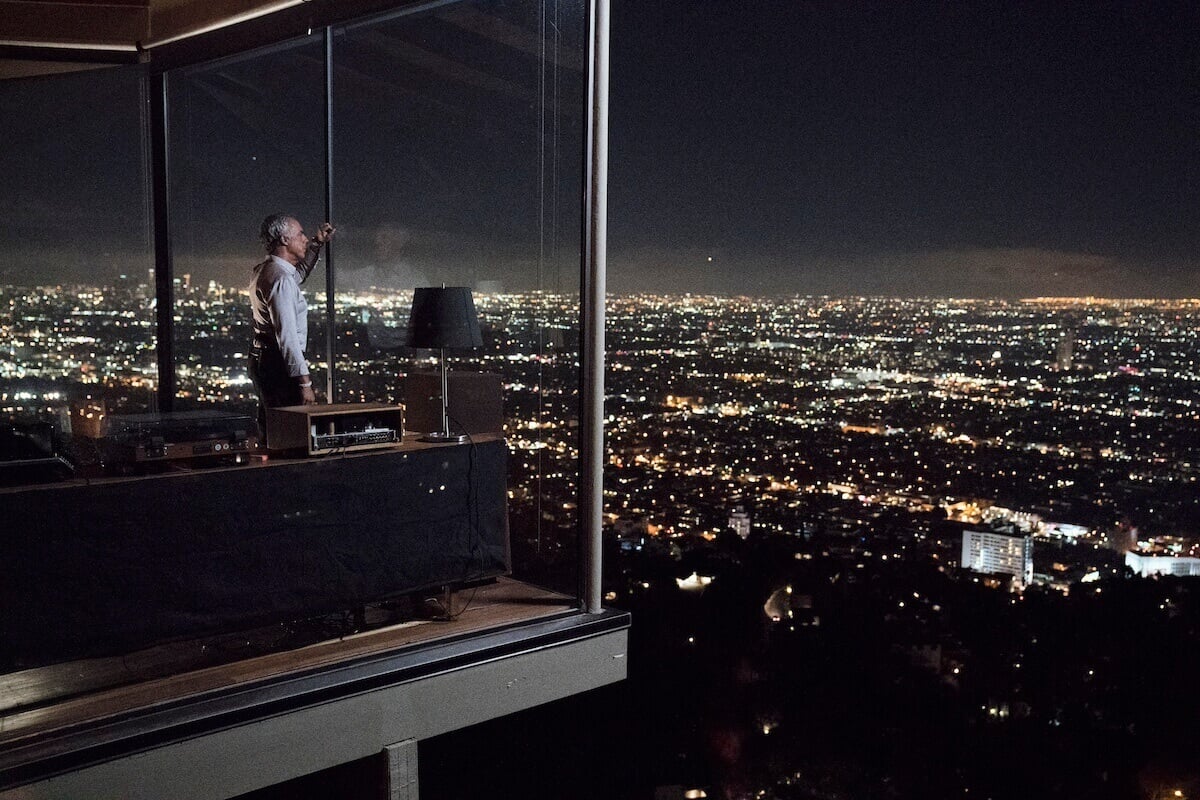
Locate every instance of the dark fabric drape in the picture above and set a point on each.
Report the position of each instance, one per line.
(90, 570)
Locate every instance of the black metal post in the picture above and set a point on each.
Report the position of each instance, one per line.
(595, 265)
(330, 275)
(164, 269)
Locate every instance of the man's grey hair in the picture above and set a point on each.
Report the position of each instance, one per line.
(274, 228)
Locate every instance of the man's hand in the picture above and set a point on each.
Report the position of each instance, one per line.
(325, 232)
(307, 396)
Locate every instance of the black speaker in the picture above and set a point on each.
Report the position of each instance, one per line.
(476, 404)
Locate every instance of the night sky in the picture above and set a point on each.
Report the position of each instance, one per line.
(937, 148)
(755, 147)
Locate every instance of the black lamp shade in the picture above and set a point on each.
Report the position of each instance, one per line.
(443, 317)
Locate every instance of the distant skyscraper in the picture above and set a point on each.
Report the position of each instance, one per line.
(1066, 351)
(739, 520)
(998, 553)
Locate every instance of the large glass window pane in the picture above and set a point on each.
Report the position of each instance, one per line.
(460, 150)
(76, 286)
(246, 141)
(458, 160)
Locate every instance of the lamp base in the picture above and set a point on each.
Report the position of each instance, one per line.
(439, 437)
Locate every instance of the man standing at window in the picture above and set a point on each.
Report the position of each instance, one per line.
(277, 364)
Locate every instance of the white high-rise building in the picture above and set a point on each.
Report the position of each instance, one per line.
(1066, 351)
(1179, 566)
(739, 521)
(998, 553)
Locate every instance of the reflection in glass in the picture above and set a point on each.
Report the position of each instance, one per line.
(246, 141)
(458, 161)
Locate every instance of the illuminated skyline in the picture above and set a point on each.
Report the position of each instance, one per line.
(900, 403)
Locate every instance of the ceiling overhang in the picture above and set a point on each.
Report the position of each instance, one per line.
(116, 25)
(47, 36)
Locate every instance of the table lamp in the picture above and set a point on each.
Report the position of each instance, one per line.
(441, 318)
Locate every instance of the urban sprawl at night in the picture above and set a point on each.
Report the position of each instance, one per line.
(792, 489)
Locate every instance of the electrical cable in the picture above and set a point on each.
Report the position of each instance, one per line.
(475, 544)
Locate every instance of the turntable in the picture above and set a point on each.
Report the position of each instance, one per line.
(134, 440)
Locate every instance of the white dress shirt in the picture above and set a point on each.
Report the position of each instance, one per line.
(280, 311)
